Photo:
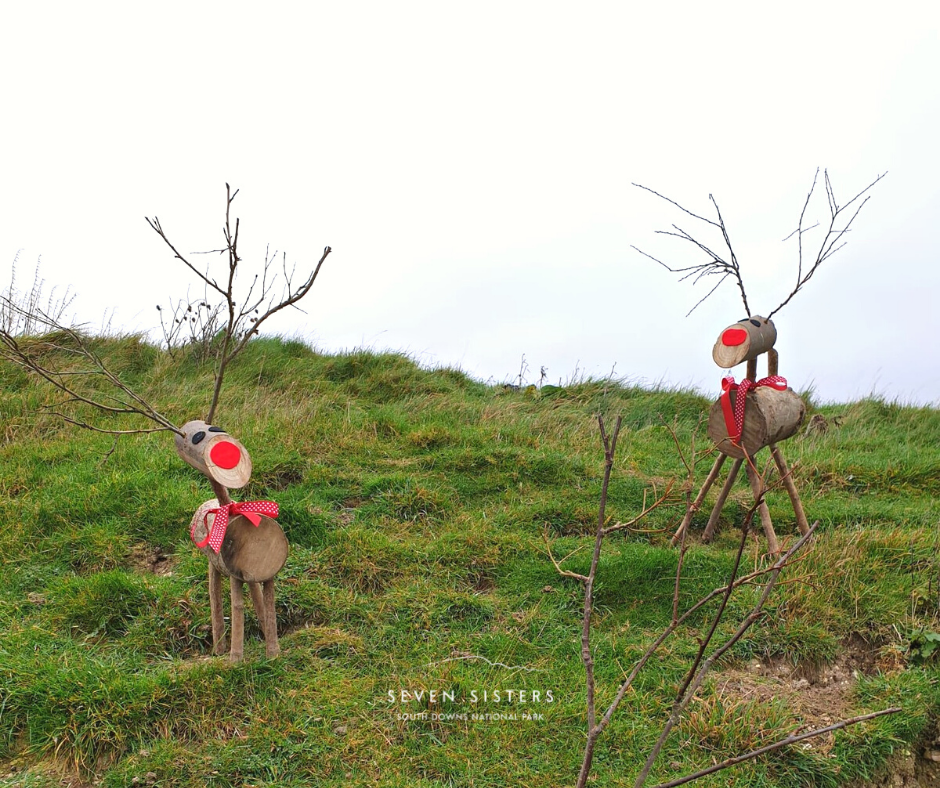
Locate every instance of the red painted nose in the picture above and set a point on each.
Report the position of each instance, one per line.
(734, 337)
(225, 455)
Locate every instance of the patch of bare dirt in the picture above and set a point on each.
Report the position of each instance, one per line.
(910, 770)
(819, 695)
(147, 558)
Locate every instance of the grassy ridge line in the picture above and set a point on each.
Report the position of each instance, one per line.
(415, 501)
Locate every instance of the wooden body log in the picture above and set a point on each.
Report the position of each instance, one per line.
(212, 451)
(770, 416)
(744, 341)
(248, 553)
(243, 558)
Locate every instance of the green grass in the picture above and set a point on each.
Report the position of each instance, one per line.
(416, 502)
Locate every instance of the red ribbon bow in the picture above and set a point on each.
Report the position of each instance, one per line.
(222, 514)
(734, 418)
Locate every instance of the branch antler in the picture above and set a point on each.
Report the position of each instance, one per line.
(716, 265)
(125, 401)
(228, 334)
(244, 315)
(831, 241)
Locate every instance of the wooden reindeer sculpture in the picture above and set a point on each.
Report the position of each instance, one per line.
(747, 417)
(754, 413)
(241, 541)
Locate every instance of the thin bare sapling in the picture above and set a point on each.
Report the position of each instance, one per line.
(707, 654)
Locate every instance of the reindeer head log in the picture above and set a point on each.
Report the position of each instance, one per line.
(743, 341)
(215, 453)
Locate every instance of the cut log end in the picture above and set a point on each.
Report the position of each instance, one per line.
(744, 341)
(215, 453)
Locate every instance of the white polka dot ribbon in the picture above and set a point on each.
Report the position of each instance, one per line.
(734, 417)
(251, 510)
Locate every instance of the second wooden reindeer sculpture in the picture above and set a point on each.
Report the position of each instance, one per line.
(747, 417)
(754, 413)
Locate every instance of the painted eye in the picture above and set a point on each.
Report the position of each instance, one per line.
(225, 455)
(755, 323)
(733, 337)
(198, 438)
(216, 429)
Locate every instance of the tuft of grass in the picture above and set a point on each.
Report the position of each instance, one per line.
(103, 603)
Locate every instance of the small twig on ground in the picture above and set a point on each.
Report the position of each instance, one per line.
(488, 662)
(795, 739)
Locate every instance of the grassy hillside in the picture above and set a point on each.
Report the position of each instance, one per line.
(416, 502)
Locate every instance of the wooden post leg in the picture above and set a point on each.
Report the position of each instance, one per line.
(271, 646)
(257, 602)
(754, 478)
(801, 521)
(706, 486)
(215, 608)
(773, 362)
(238, 621)
(720, 502)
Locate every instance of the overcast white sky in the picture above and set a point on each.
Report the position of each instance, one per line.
(471, 166)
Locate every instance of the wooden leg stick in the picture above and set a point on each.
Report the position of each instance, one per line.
(720, 501)
(773, 362)
(215, 608)
(271, 646)
(706, 486)
(801, 521)
(754, 478)
(261, 612)
(751, 373)
(238, 621)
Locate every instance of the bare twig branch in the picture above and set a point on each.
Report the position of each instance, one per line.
(86, 426)
(687, 489)
(794, 739)
(832, 241)
(697, 675)
(129, 402)
(245, 315)
(680, 207)
(703, 660)
(158, 229)
(557, 564)
(610, 447)
(646, 510)
(226, 338)
(716, 264)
